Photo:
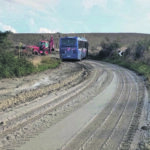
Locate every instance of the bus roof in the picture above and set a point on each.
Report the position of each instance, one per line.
(75, 37)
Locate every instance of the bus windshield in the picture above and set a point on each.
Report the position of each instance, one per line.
(68, 42)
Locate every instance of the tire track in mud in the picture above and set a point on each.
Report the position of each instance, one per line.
(124, 121)
(93, 79)
(33, 94)
(129, 122)
(74, 81)
(113, 128)
(30, 87)
(85, 137)
(117, 129)
(134, 122)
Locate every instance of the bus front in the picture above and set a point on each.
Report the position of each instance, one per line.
(68, 48)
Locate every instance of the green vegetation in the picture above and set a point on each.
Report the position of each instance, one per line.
(14, 66)
(48, 63)
(108, 48)
(136, 57)
(139, 67)
(140, 51)
(5, 44)
(11, 66)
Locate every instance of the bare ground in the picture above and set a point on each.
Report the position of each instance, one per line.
(18, 90)
(81, 105)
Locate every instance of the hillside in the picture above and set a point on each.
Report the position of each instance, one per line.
(94, 39)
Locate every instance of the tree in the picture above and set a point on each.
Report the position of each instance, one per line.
(4, 42)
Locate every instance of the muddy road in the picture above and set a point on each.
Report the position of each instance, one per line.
(85, 105)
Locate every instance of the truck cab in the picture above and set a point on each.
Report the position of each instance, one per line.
(44, 47)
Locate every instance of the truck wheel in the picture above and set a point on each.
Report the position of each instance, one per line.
(33, 52)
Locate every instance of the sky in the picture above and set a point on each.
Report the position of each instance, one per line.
(75, 16)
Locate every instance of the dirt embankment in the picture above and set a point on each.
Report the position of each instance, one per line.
(19, 90)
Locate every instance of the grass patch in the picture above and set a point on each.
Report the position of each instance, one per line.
(12, 66)
(139, 67)
(48, 63)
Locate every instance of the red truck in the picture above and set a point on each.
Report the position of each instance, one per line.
(44, 48)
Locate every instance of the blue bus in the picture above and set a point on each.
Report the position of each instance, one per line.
(74, 48)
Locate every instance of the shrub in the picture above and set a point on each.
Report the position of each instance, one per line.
(104, 53)
(5, 44)
(139, 49)
(12, 66)
(108, 48)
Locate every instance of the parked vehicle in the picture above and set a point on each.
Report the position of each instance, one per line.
(45, 47)
(73, 48)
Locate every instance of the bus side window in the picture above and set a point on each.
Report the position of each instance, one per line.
(80, 44)
(85, 45)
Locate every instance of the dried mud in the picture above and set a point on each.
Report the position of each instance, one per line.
(111, 99)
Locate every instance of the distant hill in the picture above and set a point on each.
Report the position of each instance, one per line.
(95, 39)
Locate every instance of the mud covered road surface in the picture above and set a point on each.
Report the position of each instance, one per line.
(85, 105)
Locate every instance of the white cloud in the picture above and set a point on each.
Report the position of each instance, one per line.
(88, 4)
(38, 4)
(142, 4)
(137, 24)
(91, 3)
(142, 1)
(119, 2)
(147, 17)
(7, 27)
(32, 22)
(45, 30)
(138, 19)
